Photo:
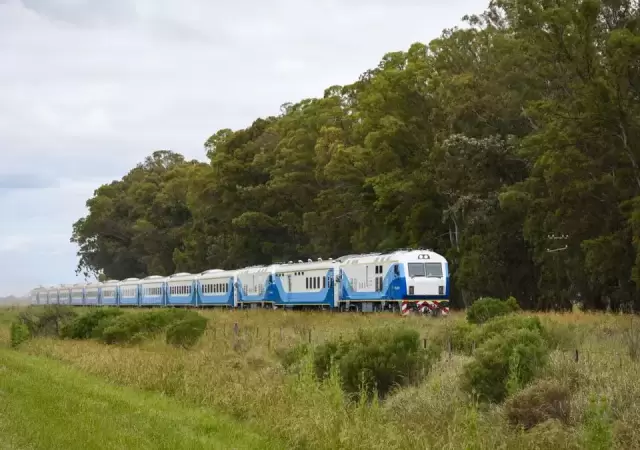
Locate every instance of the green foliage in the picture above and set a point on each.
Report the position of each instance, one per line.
(458, 334)
(19, 333)
(292, 356)
(464, 336)
(496, 144)
(375, 360)
(598, 432)
(504, 363)
(186, 332)
(90, 324)
(486, 308)
(46, 321)
(502, 324)
(130, 328)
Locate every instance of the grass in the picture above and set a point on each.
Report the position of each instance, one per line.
(44, 404)
(240, 374)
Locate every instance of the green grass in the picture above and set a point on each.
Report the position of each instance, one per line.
(47, 405)
(241, 375)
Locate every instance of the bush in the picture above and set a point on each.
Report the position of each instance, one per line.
(379, 359)
(19, 333)
(486, 308)
(291, 356)
(130, 328)
(460, 334)
(465, 336)
(187, 332)
(47, 321)
(91, 324)
(538, 403)
(502, 324)
(505, 363)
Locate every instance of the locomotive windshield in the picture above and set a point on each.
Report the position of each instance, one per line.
(429, 270)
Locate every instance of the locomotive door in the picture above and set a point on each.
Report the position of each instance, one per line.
(336, 288)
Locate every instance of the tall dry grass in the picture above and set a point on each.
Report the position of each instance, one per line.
(240, 374)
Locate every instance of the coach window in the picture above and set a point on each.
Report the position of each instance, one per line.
(324, 282)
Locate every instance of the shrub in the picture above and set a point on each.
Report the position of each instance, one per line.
(47, 321)
(465, 336)
(486, 308)
(19, 333)
(460, 335)
(186, 332)
(539, 402)
(379, 359)
(505, 363)
(502, 324)
(90, 325)
(291, 356)
(130, 328)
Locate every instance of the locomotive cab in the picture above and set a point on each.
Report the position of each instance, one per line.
(426, 276)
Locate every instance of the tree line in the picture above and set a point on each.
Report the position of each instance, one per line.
(511, 145)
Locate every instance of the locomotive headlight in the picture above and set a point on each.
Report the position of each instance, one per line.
(441, 290)
(410, 290)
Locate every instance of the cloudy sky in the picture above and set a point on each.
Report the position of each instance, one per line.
(88, 88)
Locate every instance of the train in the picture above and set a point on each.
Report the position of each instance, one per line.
(403, 280)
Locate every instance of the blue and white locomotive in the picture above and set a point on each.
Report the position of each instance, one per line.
(402, 280)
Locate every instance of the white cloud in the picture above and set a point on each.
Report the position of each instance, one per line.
(88, 88)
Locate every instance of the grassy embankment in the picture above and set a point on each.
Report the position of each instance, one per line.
(243, 376)
(45, 404)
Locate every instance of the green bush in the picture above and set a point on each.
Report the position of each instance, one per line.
(459, 334)
(486, 308)
(91, 324)
(130, 328)
(19, 333)
(381, 359)
(47, 321)
(502, 324)
(504, 364)
(464, 336)
(186, 332)
(291, 356)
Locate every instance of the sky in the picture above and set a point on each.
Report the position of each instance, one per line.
(89, 88)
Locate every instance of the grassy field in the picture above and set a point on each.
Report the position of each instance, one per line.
(241, 375)
(45, 404)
